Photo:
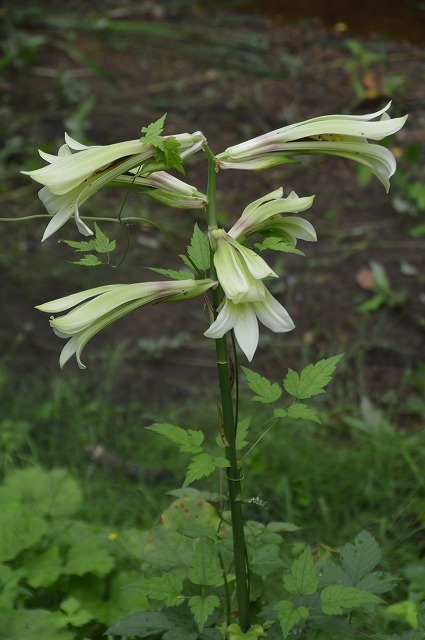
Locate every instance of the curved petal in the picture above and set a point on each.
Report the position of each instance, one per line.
(246, 330)
(225, 321)
(273, 315)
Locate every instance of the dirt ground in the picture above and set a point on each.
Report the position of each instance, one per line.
(232, 75)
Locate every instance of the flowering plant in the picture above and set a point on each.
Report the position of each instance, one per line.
(232, 280)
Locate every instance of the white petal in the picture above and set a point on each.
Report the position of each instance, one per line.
(273, 315)
(225, 321)
(67, 302)
(246, 330)
(299, 228)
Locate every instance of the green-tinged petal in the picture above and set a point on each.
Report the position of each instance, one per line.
(255, 263)
(67, 302)
(296, 228)
(254, 218)
(111, 303)
(273, 315)
(246, 330)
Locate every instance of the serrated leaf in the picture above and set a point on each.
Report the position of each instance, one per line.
(277, 244)
(378, 582)
(199, 251)
(303, 579)
(89, 260)
(167, 587)
(202, 608)
(266, 560)
(153, 131)
(171, 153)
(241, 433)
(299, 411)
(206, 569)
(84, 245)
(360, 558)
(189, 441)
(101, 242)
(267, 392)
(202, 466)
(337, 598)
(312, 379)
(172, 273)
(289, 615)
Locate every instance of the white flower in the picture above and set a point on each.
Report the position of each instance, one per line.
(242, 318)
(262, 216)
(78, 172)
(97, 308)
(239, 269)
(340, 135)
(165, 188)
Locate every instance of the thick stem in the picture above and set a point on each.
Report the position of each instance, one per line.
(233, 472)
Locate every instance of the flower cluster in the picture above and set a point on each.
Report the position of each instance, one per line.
(240, 271)
(77, 172)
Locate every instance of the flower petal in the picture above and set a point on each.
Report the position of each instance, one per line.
(246, 330)
(273, 315)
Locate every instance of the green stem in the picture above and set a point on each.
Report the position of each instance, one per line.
(233, 471)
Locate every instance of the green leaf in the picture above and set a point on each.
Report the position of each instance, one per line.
(289, 615)
(171, 153)
(312, 379)
(299, 411)
(202, 608)
(277, 244)
(20, 528)
(189, 441)
(266, 560)
(75, 614)
(83, 245)
(53, 493)
(267, 392)
(142, 625)
(331, 629)
(36, 624)
(206, 569)
(153, 131)
(378, 582)
(360, 558)
(167, 587)
(167, 148)
(199, 251)
(44, 569)
(172, 273)
(241, 433)
(88, 556)
(102, 244)
(303, 579)
(89, 260)
(202, 466)
(337, 598)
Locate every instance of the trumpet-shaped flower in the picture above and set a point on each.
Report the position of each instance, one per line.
(242, 318)
(239, 269)
(340, 135)
(95, 309)
(165, 188)
(262, 216)
(78, 172)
